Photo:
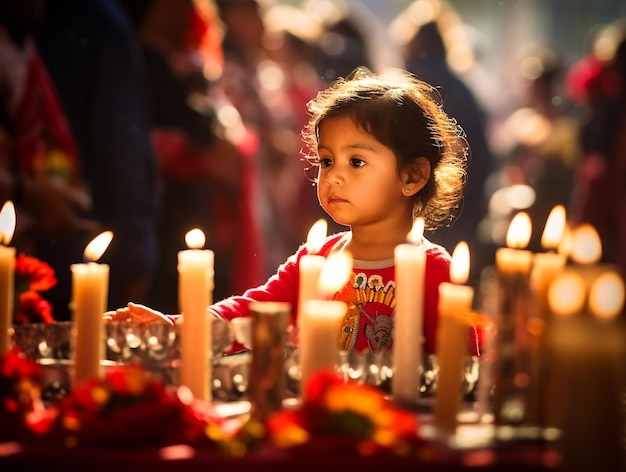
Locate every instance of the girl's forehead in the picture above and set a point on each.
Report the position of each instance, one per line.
(342, 127)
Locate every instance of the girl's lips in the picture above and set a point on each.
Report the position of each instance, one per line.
(336, 200)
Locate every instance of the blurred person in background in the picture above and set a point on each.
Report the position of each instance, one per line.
(254, 85)
(293, 36)
(539, 141)
(597, 84)
(93, 57)
(40, 165)
(200, 163)
(426, 54)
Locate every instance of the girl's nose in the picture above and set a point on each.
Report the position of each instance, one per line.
(334, 177)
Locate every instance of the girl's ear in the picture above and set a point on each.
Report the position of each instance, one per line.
(415, 176)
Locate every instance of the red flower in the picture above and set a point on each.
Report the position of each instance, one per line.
(32, 274)
(127, 408)
(20, 393)
(31, 277)
(32, 308)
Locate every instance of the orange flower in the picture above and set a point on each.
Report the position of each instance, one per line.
(344, 409)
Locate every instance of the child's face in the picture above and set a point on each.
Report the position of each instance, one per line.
(358, 177)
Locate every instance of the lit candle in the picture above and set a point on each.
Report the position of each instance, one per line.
(408, 331)
(585, 252)
(195, 294)
(545, 267)
(321, 319)
(90, 289)
(511, 370)
(455, 304)
(588, 352)
(7, 268)
(311, 264)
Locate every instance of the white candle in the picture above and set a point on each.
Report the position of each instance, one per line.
(195, 293)
(318, 349)
(90, 289)
(455, 304)
(7, 278)
(513, 265)
(311, 264)
(410, 265)
(588, 350)
(320, 320)
(545, 267)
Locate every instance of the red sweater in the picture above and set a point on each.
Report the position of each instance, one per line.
(370, 296)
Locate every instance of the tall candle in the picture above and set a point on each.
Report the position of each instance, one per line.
(7, 277)
(90, 288)
(455, 304)
(545, 267)
(510, 375)
(410, 265)
(311, 264)
(195, 293)
(588, 348)
(321, 319)
(318, 349)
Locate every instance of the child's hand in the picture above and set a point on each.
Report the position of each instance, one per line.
(140, 314)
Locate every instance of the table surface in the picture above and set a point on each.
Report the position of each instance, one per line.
(474, 448)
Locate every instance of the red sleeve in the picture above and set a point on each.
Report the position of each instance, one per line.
(280, 287)
(283, 286)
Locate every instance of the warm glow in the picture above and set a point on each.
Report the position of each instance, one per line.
(98, 245)
(316, 237)
(335, 272)
(606, 297)
(7, 222)
(195, 239)
(555, 228)
(520, 228)
(566, 295)
(586, 247)
(565, 245)
(417, 231)
(460, 265)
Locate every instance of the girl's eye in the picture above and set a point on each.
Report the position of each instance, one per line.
(356, 162)
(325, 162)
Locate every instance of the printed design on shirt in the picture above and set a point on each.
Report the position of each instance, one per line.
(368, 321)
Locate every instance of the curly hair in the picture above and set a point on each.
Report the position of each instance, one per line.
(406, 115)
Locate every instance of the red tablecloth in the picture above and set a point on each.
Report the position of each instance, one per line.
(516, 458)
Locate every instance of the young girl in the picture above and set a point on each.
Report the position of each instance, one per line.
(385, 153)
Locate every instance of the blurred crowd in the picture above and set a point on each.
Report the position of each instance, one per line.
(153, 117)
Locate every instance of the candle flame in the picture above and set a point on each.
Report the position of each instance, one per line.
(316, 236)
(606, 296)
(417, 231)
(335, 272)
(520, 228)
(98, 245)
(565, 245)
(195, 239)
(586, 247)
(460, 265)
(566, 294)
(7, 222)
(554, 229)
